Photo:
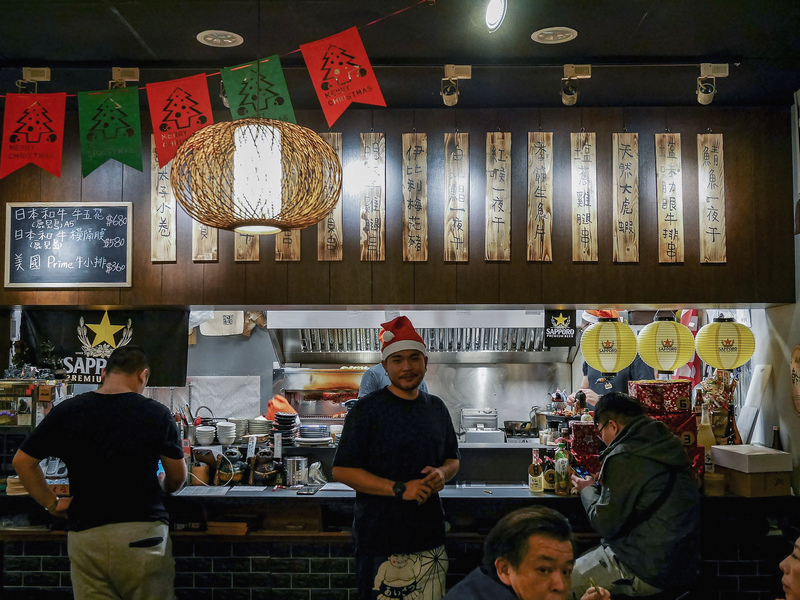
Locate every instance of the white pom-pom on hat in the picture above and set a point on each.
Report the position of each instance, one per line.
(388, 336)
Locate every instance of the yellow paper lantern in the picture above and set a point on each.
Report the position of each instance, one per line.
(609, 346)
(666, 345)
(725, 344)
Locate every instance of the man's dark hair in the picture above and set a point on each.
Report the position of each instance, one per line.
(509, 537)
(128, 359)
(617, 406)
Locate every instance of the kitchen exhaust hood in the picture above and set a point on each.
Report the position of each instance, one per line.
(306, 338)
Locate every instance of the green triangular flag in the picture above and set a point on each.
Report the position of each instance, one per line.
(110, 128)
(258, 89)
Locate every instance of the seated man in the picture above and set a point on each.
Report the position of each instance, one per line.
(528, 555)
(644, 503)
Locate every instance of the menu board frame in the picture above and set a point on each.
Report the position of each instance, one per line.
(91, 282)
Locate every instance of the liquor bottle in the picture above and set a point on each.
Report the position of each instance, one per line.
(776, 438)
(535, 474)
(706, 439)
(731, 430)
(586, 417)
(548, 473)
(562, 483)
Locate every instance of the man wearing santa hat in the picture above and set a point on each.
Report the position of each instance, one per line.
(397, 449)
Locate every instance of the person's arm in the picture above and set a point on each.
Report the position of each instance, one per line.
(369, 383)
(609, 505)
(174, 474)
(33, 480)
(435, 477)
(591, 395)
(365, 482)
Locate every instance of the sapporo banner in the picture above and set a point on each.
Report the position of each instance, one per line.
(110, 128)
(258, 90)
(560, 328)
(178, 108)
(84, 339)
(33, 132)
(341, 73)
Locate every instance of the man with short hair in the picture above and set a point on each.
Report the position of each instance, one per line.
(111, 441)
(645, 504)
(397, 449)
(528, 555)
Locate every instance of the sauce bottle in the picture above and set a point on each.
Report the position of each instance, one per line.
(562, 483)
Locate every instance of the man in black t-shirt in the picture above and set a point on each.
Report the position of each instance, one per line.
(397, 449)
(111, 441)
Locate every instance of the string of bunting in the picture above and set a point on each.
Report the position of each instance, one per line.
(109, 121)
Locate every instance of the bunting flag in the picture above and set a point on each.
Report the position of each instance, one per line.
(110, 128)
(33, 132)
(341, 73)
(258, 89)
(178, 108)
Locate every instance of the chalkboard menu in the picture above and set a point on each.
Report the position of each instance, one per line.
(55, 244)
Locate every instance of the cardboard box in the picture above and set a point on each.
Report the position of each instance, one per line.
(747, 458)
(757, 485)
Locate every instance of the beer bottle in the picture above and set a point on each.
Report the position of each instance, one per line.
(706, 439)
(731, 431)
(776, 438)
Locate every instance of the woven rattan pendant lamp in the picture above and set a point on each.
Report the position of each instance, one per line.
(256, 176)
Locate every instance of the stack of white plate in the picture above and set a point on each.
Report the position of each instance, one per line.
(313, 435)
(226, 432)
(258, 426)
(241, 429)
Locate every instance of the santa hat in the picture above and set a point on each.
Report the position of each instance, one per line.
(594, 316)
(399, 334)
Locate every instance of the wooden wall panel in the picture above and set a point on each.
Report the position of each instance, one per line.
(182, 281)
(224, 279)
(23, 185)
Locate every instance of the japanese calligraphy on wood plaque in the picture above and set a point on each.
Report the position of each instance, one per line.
(540, 196)
(498, 195)
(373, 197)
(246, 247)
(329, 230)
(287, 245)
(711, 198)
(162, 211)
(625, 148)
(669, 193)
(584, 196)
(415, 196)
(205, 242)
(456, 197)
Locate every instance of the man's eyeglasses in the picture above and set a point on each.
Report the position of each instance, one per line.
(600, 430)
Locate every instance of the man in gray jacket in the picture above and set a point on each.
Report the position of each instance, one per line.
(644, 503)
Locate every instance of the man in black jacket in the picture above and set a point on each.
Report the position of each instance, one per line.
(645, 504)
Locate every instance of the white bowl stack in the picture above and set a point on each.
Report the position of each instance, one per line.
(226, 432)
(204, 434)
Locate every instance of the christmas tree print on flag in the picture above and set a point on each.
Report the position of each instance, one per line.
(110, 128)
(258, 90)
(33, 132)
(341, 73)
(178, 108)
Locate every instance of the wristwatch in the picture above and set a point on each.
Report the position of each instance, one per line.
(399, 488)
(53, 506)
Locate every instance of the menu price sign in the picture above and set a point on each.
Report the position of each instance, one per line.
(61, 245)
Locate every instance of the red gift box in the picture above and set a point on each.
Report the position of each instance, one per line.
(682, 425)
(662, 396)
(590, 462)
(584, 438)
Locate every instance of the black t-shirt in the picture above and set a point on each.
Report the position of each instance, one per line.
(636, 371)
(111, 444)
(396, 438)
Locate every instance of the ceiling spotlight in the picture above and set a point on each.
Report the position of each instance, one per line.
(569, 91)
(449, 91)
(495, 13)
(706, 88)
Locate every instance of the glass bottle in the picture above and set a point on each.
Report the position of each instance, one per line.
(562, 483)
(535, 474)
(776, 438)
(548, 472)
(586, 417)
(706, 439)
(731, 430)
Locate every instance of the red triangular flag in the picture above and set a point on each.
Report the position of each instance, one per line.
(341, 73)
(178, 108)
(33, 132)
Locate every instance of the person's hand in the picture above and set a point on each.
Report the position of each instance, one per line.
(417, 490)
(581, 482)
(591, 594)
(434, 478)
(591, 397)
(571, 401)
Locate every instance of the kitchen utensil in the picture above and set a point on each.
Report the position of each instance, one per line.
(517, 427)
(296, 470)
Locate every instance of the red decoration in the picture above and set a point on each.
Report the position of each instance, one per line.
(662, 396)
(683, 425)
(178, 108)
(584, 438)
(33, 132)
(341, 73)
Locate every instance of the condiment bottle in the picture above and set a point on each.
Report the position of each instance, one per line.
(586, 417)
(562, 483)
(706, 439)
(535, 474)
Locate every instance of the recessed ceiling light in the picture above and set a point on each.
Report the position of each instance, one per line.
(219, 39)
(554, 35)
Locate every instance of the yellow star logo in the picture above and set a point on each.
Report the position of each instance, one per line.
(561, 320)
(105, 331)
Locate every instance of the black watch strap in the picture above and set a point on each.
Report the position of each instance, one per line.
(399, 489)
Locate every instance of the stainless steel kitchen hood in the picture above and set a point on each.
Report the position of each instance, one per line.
(351, 337)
